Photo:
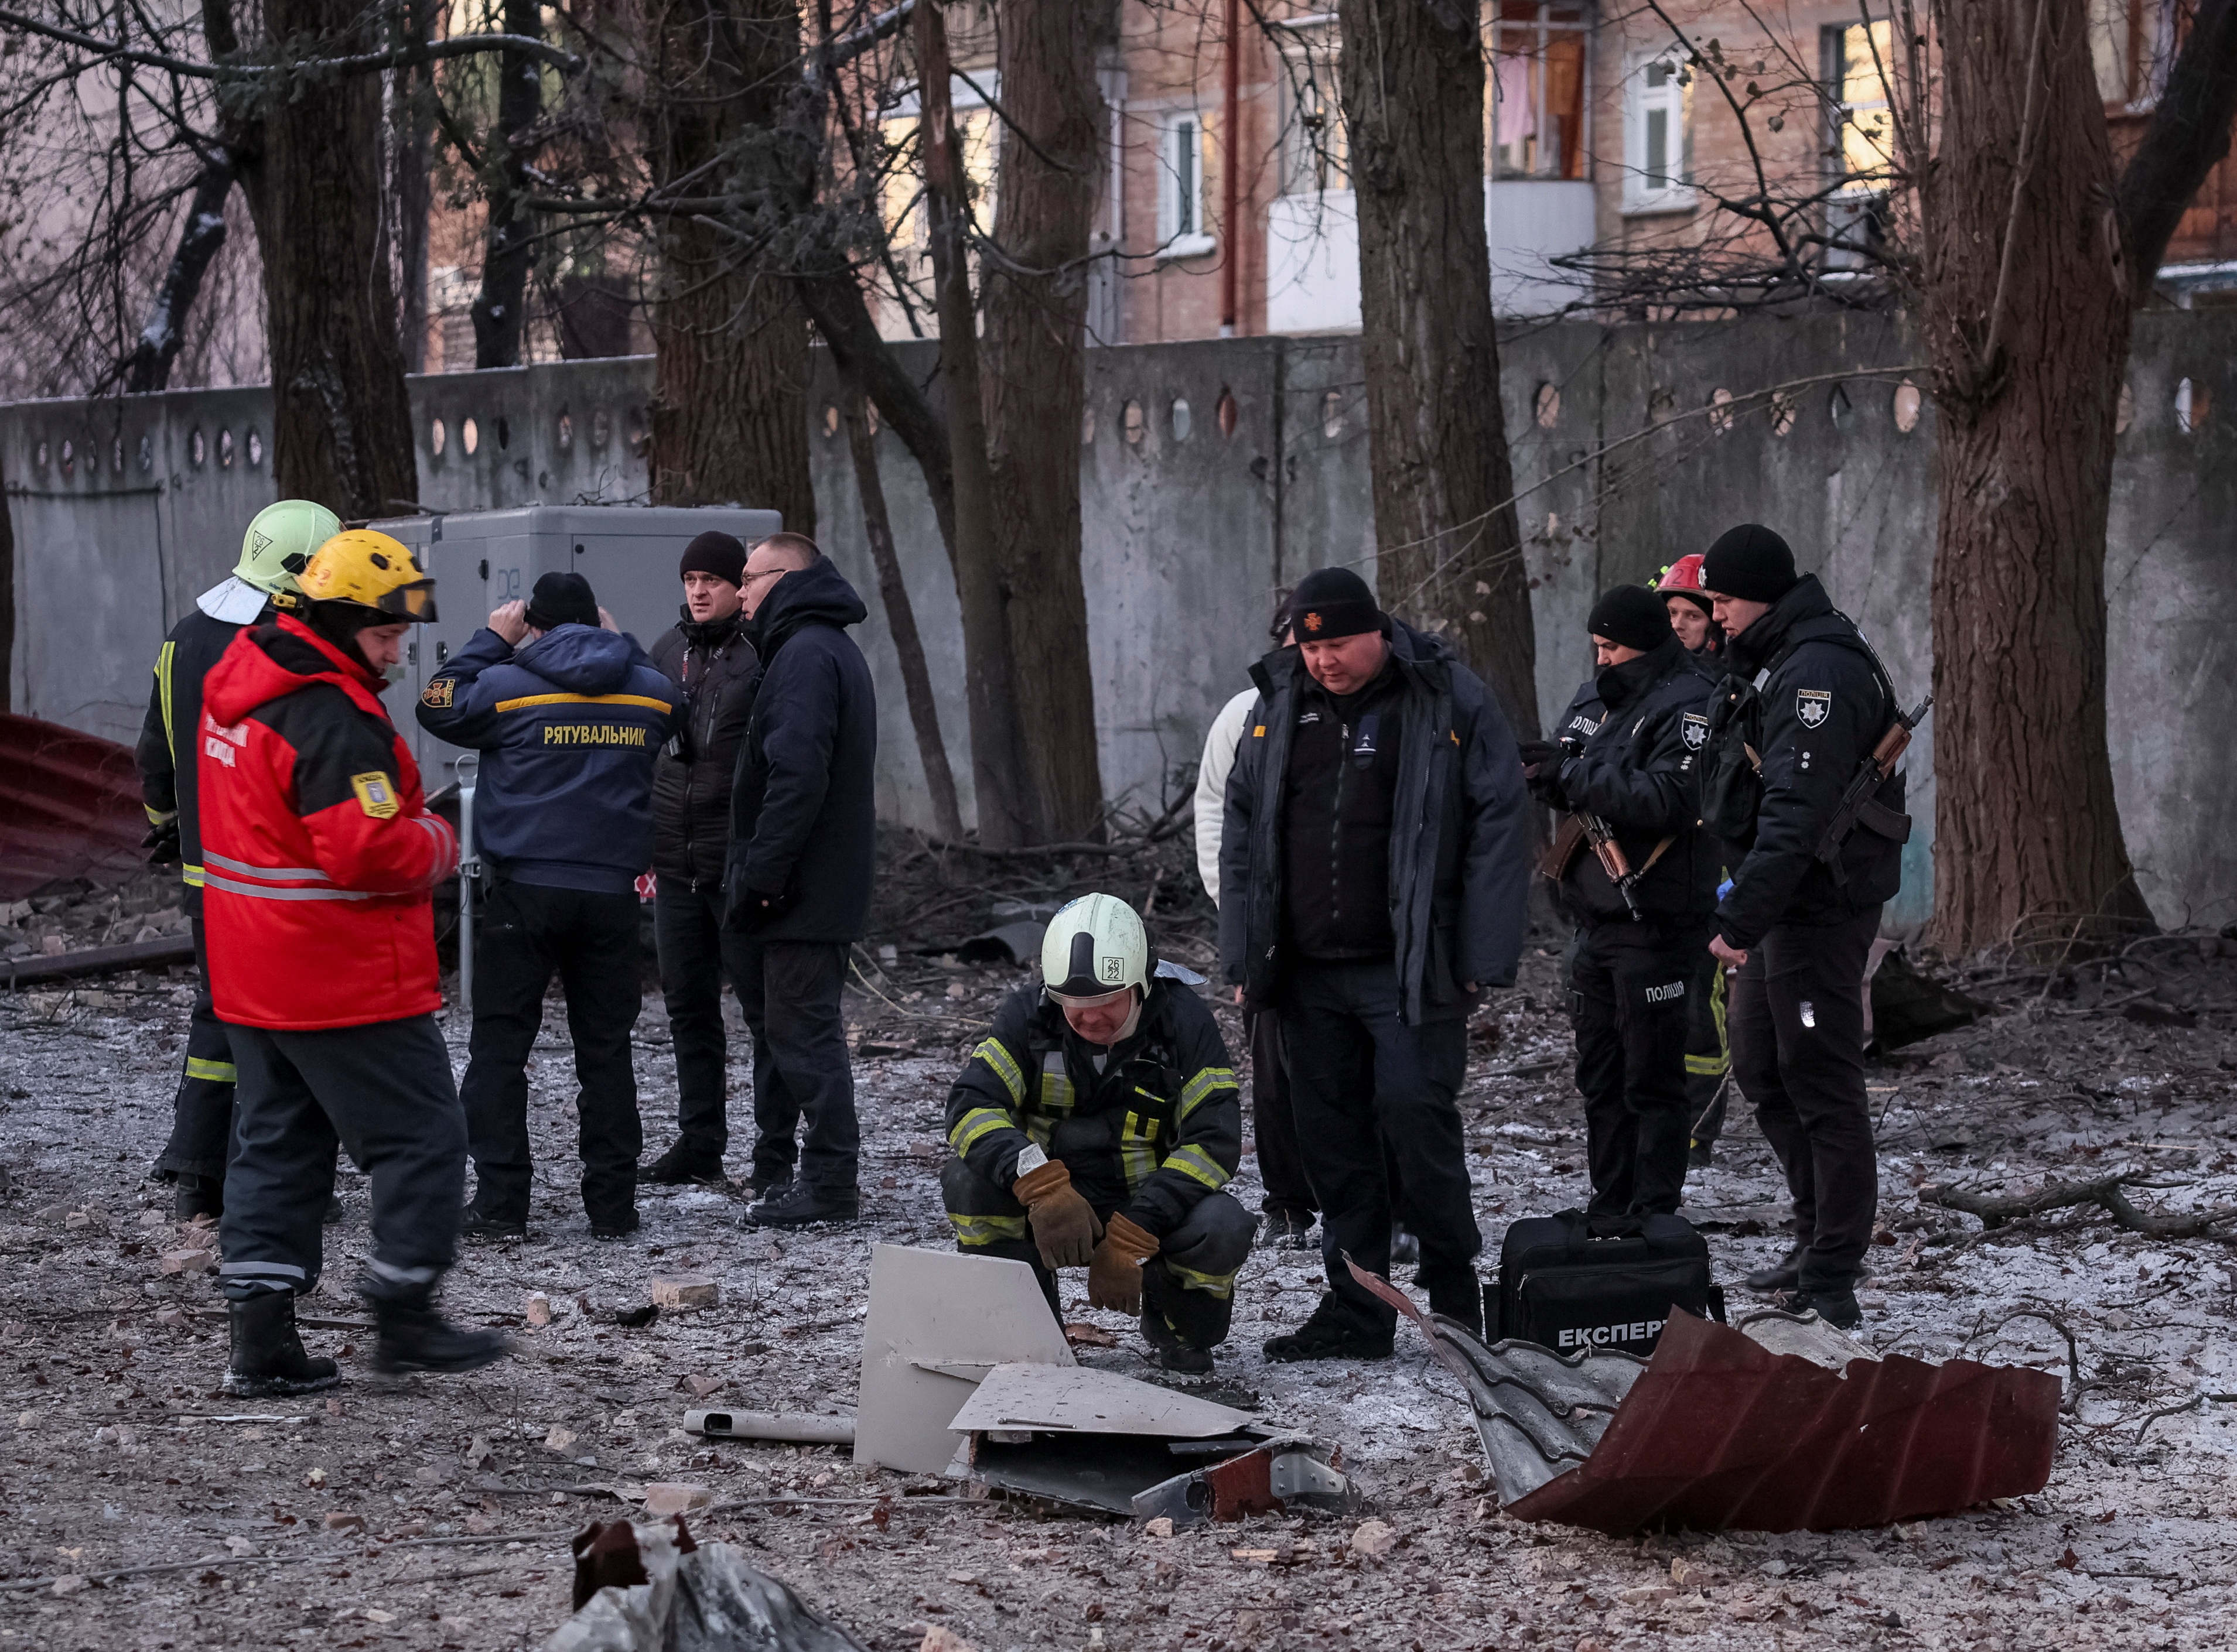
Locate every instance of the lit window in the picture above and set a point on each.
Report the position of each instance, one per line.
(1313, 148)
(1860, 148)
(1181, 227)
(1658, 135)
(1537, 90)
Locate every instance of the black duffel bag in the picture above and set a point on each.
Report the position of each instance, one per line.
(1572, 1282)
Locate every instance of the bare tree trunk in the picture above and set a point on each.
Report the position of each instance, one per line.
(900, 616)
(7, 604)
(148, 367)
(414, 93)
(341, 426)
(1004, 800)
(1450, 556)
(500, 309)
(2028, 305)
(1035, 301)
(729, 408)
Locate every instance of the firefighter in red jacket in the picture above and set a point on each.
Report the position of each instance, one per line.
(318, 855)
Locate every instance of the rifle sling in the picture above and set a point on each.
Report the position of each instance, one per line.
(1554, 863)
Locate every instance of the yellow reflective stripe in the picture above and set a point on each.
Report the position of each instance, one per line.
(1219, 1284)
(987, 1230)
(1057, 1093)
(1138, 1150)
(1206, 1081)
(993, 1053)
(1192, 1161)
(645, 701)
(1717, 1013)
(159, 817)
(217, 1072)
(975, 1124)
(1708, 1066)
(164, 657)
(191, 876)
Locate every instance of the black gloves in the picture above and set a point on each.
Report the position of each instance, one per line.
(1535, 755)
(751, 909)
(161, 843)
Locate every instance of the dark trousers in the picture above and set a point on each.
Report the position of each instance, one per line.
(1360, 1079)
(802, 1068)
(1273, 1123)
(696, 956)
(1190, 1283)
(384, 1091)
(1629, 982)
(1798, 1031)
(1708, 1056)
(526, 932)
(201, 1113)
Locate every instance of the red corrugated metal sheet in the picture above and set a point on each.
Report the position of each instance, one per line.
(1719, 1433)
(69, 807)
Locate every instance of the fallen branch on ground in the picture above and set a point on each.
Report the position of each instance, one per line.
(2102, 1191)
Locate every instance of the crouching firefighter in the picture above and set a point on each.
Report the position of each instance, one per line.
(1644, 893)
(318, 855)
(1095, 1129)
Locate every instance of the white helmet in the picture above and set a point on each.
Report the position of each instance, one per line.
(1093, 947)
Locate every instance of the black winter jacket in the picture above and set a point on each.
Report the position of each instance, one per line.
(168, 753)
(1154, 1133)
(1822, 706)
(1459, 845)
(1639, 771)
(802, 810)
(718, 671)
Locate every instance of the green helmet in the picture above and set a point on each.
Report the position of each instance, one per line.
(279, 542)
(1093, 947)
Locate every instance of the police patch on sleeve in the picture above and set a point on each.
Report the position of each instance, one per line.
(1696, 731)
(1813, 706)
(376, 794)
(437, 693)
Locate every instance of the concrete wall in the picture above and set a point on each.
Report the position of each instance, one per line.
(1625, 459)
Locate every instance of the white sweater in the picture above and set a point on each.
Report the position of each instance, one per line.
(1219, 748)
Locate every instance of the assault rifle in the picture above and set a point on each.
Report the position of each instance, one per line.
(1614, 861)
(1858, 805)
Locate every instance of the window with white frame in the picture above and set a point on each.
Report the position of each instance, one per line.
(1182, 229)
(1659, 134)
(1536, 92)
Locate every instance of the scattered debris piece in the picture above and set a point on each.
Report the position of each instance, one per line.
(667, 1498)
(637, 1319)
(186, 1261)
(1081, 1334)
(653, 1588)
(1374, 1539)
(680, 1291)
(479, 1453)
(1907, 1006)
(343, 1520)
(1018, 944)
(1273, 1479)
(1160, 1527)
(537, 1309)
(938, 1637)
(71, 1584)
(701, 1386)
(796, 1427)
(560, 1439)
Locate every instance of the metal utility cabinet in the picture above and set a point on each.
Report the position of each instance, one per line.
(484, 559)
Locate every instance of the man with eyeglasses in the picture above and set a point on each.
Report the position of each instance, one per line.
(1097, 1126)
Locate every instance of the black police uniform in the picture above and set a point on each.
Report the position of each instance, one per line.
(1151, 1126)
(1639, 729)
(168, 758)
(1819, 706)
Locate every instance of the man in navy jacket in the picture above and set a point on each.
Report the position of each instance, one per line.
(797, 879)
(568, 715)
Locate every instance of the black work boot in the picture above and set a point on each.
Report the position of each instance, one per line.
(683, 1165)
(414, 1336)
(1169, 1350)
(1836, 1305)
(195, 1197)
(798, 1205)
(1457, 1295)
(1287, 1229)
(1405, 1248)
(1330, 1333)
(483, 1228)
(1780, 1275)
(267, 1354)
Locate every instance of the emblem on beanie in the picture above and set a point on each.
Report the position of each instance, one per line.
(1696, 731)
(1813, 706)
(1313, 622)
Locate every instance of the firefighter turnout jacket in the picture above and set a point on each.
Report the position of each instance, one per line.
(317, 849)
(170, 737)
(1148, 1127)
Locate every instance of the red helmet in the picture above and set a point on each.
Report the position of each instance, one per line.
(1683, 578)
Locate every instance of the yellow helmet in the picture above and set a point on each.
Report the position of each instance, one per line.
(370, 571)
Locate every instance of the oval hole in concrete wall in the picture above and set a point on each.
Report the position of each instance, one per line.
(830, 420)
(1227, 412)
(439, 437)
(504, 432)
(1087, 427)
(566, 431)
(1784, 410)
(1332, 414)
(1907, 404)
(1721, 417)
(1132, 423)
(116, 454)
(2194, 405)
(69, 453)
(39, 457)
(1184, 421)
(225, 450)
(640, 437)
(1546, 406)
(601, 428)
(147, 450)
(2124, 412)
(197, 449)
(470, 436)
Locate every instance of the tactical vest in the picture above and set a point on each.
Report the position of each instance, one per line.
(1732, 762)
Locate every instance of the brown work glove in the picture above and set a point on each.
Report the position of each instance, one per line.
(1114, 1278)
(1064, 1223)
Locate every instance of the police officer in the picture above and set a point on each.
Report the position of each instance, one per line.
(319, 857)
(1708, 1055)
(1095, 1128)
(709, 659)
(1797, 927)
(1628, 756)
(569, 715)
(276, 549)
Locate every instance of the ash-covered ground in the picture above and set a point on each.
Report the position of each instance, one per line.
(438, 1515)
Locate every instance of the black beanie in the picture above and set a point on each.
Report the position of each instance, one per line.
(1751, 562)
(1333, 602)
(562, 599)
(1632, 616)
(717, 553)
